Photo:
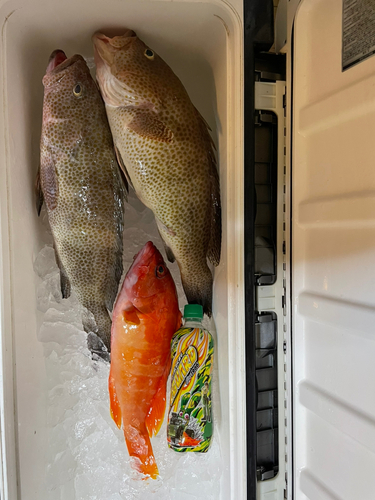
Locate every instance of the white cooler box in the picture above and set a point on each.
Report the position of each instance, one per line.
(294, 293)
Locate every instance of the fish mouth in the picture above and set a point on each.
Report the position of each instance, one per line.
(56, 58)
(58, 62)
(105, 46)
(144, 262)
(145, 255)
(140, 267)
(114, 92)
(117, 42)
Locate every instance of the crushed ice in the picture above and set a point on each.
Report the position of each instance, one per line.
(87, 457)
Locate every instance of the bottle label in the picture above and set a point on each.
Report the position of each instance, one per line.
(190, 412)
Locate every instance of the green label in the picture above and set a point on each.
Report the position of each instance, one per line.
(190, 423)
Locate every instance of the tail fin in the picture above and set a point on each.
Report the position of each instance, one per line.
(198, 287)
(140, 449)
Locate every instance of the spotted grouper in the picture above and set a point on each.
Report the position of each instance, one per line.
(81, 185)
(165, 149)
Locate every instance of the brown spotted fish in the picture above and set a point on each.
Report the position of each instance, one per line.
(81, 185)
(166, 151)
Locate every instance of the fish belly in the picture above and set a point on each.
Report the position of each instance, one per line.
(173, 180)
(136, 383)
(88, 241)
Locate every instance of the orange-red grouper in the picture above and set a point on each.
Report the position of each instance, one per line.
(145, 317)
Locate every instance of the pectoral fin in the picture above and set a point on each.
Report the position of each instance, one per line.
(114, 402)
(130, 315)
(156, 412)
(146, 124)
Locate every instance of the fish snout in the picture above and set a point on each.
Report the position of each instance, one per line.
(145, 255)
(102, 50)
(105, 47)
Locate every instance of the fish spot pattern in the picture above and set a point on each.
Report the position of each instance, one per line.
(172, 177)
(87, 218)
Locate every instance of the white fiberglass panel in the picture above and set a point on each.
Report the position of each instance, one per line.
(333, 261)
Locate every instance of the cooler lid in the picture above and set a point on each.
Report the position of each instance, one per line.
(333, 250)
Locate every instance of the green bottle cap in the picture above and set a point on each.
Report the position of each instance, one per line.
(193, 311)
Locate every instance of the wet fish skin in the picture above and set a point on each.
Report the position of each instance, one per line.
(79, 181)
(165, 148)
(145, 317)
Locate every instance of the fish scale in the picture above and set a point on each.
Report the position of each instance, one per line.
(145, 317)
(167, 153)
(80, 182)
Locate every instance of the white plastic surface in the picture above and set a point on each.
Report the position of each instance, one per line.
(202, 42)
(333, 266)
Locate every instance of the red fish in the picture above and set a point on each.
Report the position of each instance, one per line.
(145, 317)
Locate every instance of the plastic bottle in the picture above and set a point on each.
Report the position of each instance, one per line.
(190, 424)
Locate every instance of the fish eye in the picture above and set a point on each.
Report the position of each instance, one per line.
(186, 416)
(160, 271)
(78, 90)
(149, 54)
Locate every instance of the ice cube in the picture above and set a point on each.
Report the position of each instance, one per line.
(67, 490)
(49, 291)
(61, 469)
(115, 496)
(58, 332)
(45, 262)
